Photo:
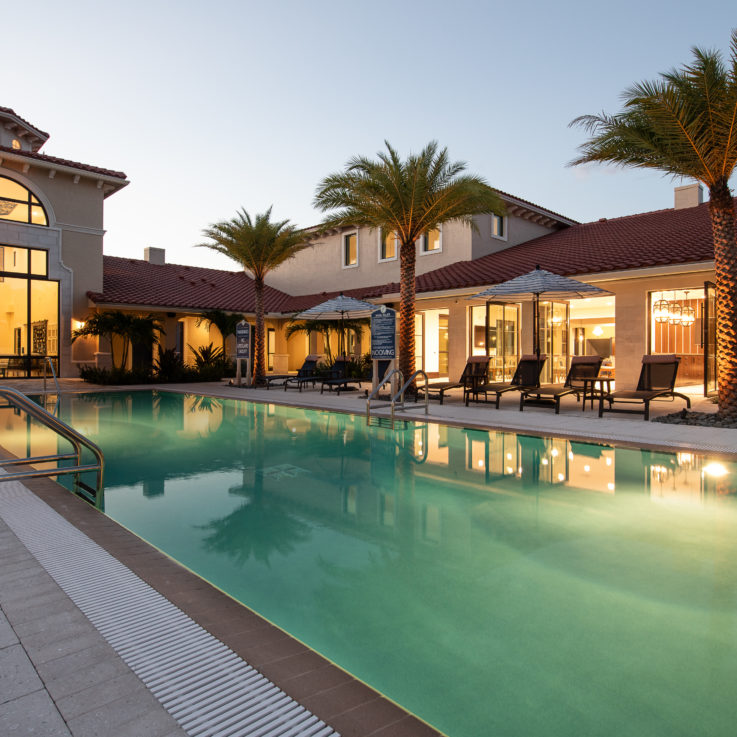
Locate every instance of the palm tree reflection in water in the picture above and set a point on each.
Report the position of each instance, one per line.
(262, 525)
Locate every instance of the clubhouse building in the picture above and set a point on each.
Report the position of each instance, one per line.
(658, 267)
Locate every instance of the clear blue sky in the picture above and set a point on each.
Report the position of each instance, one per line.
(212, 106)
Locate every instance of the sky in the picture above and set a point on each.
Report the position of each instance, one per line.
(209, 107)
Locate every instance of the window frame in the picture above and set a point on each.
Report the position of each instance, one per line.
(381, 245)
(423, 242)
(28, 203)
(343, 240)
(505, 226)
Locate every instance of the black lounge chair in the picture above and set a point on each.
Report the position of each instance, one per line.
(657, 380)
(339, 379)
(476, 372)
(308, 368)
(304, 376)
(526, 377)
(549, 395)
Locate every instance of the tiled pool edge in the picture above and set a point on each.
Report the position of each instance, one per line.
(334, 696)
(206, 687)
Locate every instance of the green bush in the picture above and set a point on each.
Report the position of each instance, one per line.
(95, 375)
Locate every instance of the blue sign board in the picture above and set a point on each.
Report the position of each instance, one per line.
(383, 333)
(243, 340)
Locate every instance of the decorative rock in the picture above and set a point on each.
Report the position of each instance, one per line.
(703, 419)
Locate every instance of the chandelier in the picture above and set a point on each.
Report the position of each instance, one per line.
(673, 311)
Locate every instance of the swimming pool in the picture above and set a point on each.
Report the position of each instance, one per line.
(488, 582)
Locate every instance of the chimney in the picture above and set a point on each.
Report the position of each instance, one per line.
(154, 255)
(690, 195)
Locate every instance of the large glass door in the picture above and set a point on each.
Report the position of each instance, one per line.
(554, 321)
(502, 339)
(29, 313)
(709, 339)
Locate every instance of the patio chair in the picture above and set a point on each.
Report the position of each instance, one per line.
(308, 369)
(476, 372)
(657, 380)
(549, 395)
(305, 375)
(339, 379)
(526, 377)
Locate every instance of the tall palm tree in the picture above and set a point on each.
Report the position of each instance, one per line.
(685, 124)
(259, 246)
(410, 198)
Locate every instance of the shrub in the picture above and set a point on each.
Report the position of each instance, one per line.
(96, 375)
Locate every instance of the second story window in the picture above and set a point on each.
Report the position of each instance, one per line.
(350, 250)
(498, 226)
(388, 246)
(431, 242)
(19, 204)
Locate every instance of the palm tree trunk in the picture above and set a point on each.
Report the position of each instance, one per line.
(407, 257)
(721, 206)
(259, 369)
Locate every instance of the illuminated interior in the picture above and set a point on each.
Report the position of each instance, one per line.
(29, 312)
(676, 324)
(20, 204)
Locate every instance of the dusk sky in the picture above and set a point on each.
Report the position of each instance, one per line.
(209, 107)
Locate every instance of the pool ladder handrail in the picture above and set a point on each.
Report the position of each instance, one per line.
(76, 439)
(375, 393)
(47, 361)
(398, 398)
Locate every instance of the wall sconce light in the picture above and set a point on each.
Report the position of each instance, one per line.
(77, 324)
(598, 331)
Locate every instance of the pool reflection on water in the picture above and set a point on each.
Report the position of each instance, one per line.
(491, 583)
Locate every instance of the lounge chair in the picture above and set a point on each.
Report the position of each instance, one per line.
(549, 395)
(308, 368)
(526, 377)
(476, 372)
(657, 380)
(339, 379)
(305, 375)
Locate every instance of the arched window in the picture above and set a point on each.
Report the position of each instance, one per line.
(19, 204)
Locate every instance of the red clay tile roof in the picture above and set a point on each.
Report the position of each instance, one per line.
(65, 162)
(128, 281)
(10, 111)
(657, 238)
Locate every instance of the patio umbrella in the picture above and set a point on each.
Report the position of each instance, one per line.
(338, 308)
(537, 283)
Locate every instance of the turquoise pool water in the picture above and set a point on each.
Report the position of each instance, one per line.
(491, 583)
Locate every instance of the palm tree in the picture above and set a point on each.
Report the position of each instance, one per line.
(409, 198)
(225, 322)
(326, 329)
(685, 124)
(140, 329)
(259, 246)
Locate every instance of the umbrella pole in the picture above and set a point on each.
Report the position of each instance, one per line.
(536, 325)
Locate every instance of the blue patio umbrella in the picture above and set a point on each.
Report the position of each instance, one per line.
(338, 308)
(537, 283)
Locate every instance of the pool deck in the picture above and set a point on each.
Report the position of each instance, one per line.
(59, 676)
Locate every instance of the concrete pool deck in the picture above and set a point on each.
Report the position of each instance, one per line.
(59, 676)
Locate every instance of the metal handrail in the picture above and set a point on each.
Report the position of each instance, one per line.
(375, 392)
(398, 398)
(77, 440)
(47, 360)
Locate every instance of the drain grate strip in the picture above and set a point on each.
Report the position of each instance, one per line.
(203, 684)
